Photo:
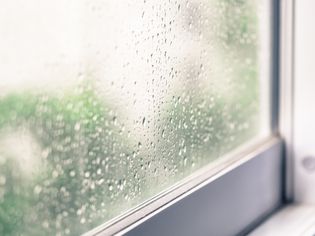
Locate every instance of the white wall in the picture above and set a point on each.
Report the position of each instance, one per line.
(304, 101)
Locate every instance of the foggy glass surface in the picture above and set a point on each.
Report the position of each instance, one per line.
(104, 104)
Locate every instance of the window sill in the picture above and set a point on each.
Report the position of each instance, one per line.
(292, 220)
(231, 198)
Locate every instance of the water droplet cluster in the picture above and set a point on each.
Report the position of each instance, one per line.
(125, 99)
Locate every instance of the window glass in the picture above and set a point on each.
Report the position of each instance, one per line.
(105, 103)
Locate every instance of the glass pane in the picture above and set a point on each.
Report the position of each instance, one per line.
(103, 104)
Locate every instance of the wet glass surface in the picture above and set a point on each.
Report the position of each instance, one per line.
(103, 104)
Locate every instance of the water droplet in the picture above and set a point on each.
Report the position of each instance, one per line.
(163, 133)
(115, 120)
(2, 180)
(45, 224)
(55, 174)
(94, 118)
(110, 187)
(77, 126)
(37, 189)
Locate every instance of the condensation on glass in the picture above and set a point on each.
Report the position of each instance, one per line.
(105, 103)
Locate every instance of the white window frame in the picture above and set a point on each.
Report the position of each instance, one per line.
(236, 196)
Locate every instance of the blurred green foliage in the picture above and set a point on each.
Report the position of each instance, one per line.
(79, 138)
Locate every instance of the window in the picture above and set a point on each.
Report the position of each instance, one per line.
(110, 110)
